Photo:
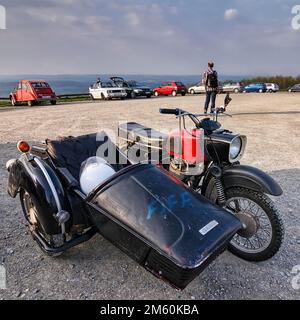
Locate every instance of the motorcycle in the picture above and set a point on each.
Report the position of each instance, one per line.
(207, 159)
(156, 219)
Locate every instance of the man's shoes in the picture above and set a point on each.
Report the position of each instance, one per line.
(212, 110)
(205, 111)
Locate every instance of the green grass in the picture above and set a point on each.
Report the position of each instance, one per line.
(6, 103)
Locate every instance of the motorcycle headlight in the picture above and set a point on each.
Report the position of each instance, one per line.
(235, 148)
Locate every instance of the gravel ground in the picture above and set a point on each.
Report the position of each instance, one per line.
(98, 270)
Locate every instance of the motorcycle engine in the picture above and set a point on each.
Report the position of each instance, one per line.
(182, 169)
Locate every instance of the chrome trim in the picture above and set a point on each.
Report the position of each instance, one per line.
(242, 150)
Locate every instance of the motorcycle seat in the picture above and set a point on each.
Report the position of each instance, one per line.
(135, 132)
(71, 152)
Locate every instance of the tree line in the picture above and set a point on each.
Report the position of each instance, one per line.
(284, 82)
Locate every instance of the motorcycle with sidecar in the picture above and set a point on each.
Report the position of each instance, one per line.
(153, 215)
(206, 157)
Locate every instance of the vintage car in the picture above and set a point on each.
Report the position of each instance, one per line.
(32, 92)
(106, 90)
(133, 89)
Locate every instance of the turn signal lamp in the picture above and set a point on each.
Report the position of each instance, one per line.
(23, 146)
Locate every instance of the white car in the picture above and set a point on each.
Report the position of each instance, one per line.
(198, 88)
(106, 90)
(272, 87)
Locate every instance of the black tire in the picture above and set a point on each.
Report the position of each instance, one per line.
(174, 93)
(92, 97)
(132, 95)
(53, 102)
(103, 96)
(30, 103)
(12, 101)
(149, 96)
(183, 94)
(274, 218)
(38, 228)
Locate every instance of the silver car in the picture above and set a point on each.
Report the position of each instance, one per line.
(232, 87)
(200, 88)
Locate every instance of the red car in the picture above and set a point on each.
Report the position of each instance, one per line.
(32, 92)
(171, 87)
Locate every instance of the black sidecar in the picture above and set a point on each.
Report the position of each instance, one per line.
(165, 226)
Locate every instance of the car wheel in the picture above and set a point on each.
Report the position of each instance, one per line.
(149, 96)
(156, 94)
(31, 213)
(92, 97)
(236, 90)
(183, 94)
(12, 101)
(271, 91)
(244, 91)
(103, 96)
(192, 91)
(174, 93)
(133, 95)
(53, 102)
(30, 103)
(260, 90)
(290, 90)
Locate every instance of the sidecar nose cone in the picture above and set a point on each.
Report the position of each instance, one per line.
(9, 164)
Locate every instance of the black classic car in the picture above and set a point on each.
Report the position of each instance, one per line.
(132, 88)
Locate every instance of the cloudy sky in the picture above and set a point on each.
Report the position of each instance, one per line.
(243, 37)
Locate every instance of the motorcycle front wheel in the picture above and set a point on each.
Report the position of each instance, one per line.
(263, 231)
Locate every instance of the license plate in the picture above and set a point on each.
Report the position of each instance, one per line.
(46, 97)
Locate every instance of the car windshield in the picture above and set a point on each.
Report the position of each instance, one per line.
(38, 85)
(180, 84)
(134, 84)
(106, 85)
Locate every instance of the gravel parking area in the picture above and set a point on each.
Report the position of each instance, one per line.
(98, 270)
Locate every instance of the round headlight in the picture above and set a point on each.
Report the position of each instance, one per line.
(235, 148)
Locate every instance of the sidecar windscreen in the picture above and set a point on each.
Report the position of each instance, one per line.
(162, 211)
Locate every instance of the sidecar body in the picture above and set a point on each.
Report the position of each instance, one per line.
(162, 224)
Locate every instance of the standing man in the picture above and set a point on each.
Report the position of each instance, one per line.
(211, 83)
(98, 82)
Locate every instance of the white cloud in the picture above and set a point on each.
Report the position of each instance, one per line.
(133, 19)
(230, 14)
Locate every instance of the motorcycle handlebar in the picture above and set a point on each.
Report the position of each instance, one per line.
(170, 111)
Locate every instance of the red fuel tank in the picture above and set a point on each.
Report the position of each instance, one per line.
(187, 145)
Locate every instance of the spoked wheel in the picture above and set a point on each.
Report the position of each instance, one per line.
(263, 230)
(31, 215)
